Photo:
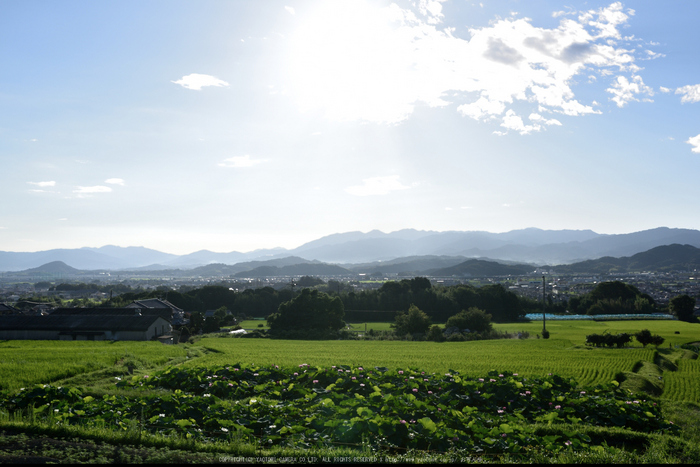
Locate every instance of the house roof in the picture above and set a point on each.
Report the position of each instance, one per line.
(153, 303)
(163, 313)
(4, 307)
(77, 323)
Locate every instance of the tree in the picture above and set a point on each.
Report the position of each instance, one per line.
(474, 319)
(413, 322)
(196, 321)
(644, 337)
(309, 281)
(435, 334)
(682, 306)
(311, 310)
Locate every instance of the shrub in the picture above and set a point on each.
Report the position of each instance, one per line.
(644, 337)
(413, 322)
(474, 319)
(435, 334)
(609, 340)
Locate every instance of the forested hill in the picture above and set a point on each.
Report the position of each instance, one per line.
(480, 268)
(674, 257)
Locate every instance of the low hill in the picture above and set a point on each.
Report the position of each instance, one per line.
(481, 268)
(54, 267)
(308, 269)
(665, 258)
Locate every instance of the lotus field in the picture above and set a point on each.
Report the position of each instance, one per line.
(367, 407)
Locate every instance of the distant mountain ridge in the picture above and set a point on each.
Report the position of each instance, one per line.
(660, 259)
(674, 257)
(530, 246)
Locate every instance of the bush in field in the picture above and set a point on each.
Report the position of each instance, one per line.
(609, 340)
(414, 321)
(645, 337)
(435, 334)
(474, 319)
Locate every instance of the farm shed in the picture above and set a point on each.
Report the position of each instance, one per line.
(83, 327)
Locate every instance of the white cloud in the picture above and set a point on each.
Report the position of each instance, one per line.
(377, 186)
(354, 61)
(512, 121)
(691, 93)
(695, 142)
(540, 119)
(624, 90)
(197, 81)
(43, 184)
(237, 162)
(91, 189)
(290, 10)
(606, 20)
(482, 108)
(115, 181)
(663, 89)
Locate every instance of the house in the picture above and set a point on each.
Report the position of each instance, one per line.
(84, 327)
(177, 315)
(126, 312)
(7, 309)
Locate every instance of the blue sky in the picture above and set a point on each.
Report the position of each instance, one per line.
(238, 125)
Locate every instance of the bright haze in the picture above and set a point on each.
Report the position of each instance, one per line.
(239, 125)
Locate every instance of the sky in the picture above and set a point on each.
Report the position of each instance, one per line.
(240, 125)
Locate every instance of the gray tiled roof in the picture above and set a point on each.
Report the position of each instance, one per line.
(163, 313)
(77, 323)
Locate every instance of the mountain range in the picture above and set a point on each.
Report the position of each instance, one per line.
(375, 250)
(665, 258)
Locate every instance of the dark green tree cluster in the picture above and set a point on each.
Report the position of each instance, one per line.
(611, 298)
(609, 340)
(312, 314)
(645, 337)
(473, 319)
(439, 303)
(682, 306)
(414, 321)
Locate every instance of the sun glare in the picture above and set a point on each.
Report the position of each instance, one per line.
(345, 61)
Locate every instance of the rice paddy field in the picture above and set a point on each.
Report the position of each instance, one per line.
(23, 363)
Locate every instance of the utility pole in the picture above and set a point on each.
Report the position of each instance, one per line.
(544, 307)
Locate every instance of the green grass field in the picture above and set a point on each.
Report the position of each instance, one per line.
(23, 363)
